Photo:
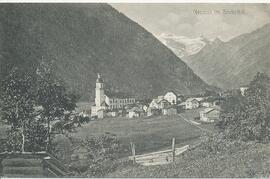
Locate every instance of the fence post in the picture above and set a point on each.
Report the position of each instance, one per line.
(173, 149)
(133, 152)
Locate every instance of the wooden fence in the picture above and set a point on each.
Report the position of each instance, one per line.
(157, 158)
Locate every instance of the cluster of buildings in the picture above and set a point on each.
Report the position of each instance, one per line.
(108, 104)
(121, 104)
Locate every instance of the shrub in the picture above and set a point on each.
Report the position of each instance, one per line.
(248, 117)
(219, 143)
(103, 155)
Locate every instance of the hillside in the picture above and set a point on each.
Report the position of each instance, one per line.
(84, 39)
(233, 63)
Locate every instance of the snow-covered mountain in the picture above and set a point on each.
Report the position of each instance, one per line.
(233, 63)
(182, 46)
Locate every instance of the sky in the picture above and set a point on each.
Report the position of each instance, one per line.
(224, 21)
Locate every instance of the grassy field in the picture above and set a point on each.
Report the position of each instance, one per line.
(251, 160)
(148, 134)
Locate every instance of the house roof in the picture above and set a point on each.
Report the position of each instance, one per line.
(199, 99)
(193, 99)
(212, 99)
(38, 159)
(169, 107)
(100, 110)
(208, 110)
(104, 104)
(135, 109)
(182, 104)
(144, 101)
(119, 95)
(171, 92)
(245, 87)
(180, 95)
(162, 100)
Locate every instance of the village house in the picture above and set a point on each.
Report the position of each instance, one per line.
(163, 104)
(193, 103)
(143, 104)
(231, 92)
(159, 103)
(243, 90)
(108, 101)
(171, 97)
(153, 112)
(180, 98)
(155, 101)
(135, 112)
(181, 106)
(169, 111)
(212, 102)
(153, 104)
(112, 113)
(210, 114)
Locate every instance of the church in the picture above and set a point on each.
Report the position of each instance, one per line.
(107, 101)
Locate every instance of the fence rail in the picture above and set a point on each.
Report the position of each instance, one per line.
(159, 157)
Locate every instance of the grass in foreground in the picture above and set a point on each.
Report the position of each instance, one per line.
(249, 160)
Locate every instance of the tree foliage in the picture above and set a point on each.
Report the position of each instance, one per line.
(18, 102)
(30, 103)
(248, 117)
(52, 96)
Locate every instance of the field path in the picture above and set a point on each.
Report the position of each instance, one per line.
(193, 124)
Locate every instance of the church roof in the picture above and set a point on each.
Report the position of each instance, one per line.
(120, 95)
(104, 104)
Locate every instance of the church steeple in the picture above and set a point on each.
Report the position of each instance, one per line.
(100, 96)
(99, 78)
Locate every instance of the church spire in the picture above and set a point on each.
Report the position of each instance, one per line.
(99, 78)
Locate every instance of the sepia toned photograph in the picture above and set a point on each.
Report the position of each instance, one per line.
(134, 90)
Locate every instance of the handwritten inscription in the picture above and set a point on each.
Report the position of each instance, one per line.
(219, 12)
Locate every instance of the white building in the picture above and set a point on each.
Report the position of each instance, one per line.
(171, 97)
(243, 90)
(109, 101)
(135, 112)
(159, 103)
(193, 103)
(210, 114)
(118, 100)
(212, 102)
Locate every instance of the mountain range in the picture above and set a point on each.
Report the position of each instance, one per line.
(233, 63)
(86, 39)
(182, 46)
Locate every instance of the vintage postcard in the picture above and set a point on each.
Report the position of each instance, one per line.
(135, 90)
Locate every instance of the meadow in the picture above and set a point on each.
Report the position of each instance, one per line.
(148, 134)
